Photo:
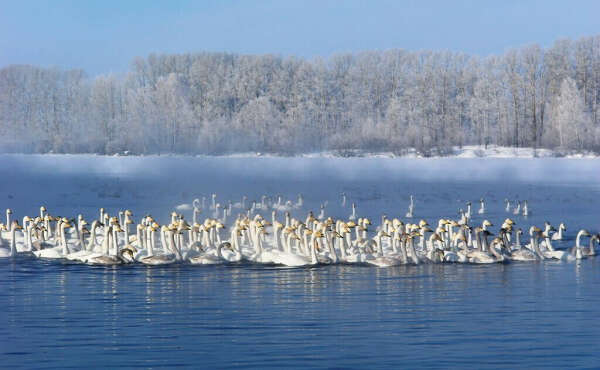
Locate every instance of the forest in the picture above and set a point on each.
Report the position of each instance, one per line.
(390, 100)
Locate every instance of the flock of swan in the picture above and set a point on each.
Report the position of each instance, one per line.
(280, 239)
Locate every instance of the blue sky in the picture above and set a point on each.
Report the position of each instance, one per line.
(104, 36)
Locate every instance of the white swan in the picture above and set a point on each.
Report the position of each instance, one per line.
(11, 251)
(295, 260)
(578, 250)
(411, 208)
(59, 251)
(482, 207)
(592, 251)
(559, 235)
(352, 217)
(525, 209)
(517, 209)
(211, 259)
(166, 258)
(106, 258)
(483, 256)
(524, 254)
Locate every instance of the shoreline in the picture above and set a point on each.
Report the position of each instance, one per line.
(466, 152)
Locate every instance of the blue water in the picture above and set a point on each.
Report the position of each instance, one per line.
(527, 315)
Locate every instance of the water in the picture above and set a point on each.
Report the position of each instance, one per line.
(60, 315)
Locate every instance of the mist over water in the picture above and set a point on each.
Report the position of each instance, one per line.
(529, 315)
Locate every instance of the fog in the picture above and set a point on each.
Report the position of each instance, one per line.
(71, 184)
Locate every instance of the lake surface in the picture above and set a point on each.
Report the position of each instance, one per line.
(528, 315)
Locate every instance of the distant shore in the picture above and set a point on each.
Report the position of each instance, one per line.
(467, 151)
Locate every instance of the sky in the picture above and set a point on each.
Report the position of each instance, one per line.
(103, 36)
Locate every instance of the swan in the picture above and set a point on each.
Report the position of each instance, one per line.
(517, 209)
(482, 256)
(59, 251)
(295, 260)
(235, 245)
(411, 208)
(592, 251)
(457, 255)
(482, 207)
(578, 251)
(242, 204)
(507, 208)
(524, 254)
(559, 235)
(300, 202)
(261, 254)
(11, 251)
(167, 258)
(343, 200)
(353, 215)
(550, 253)
(210, 259)
(525, 209)
(106, 258)
(321, 214)
(381, 260)
(89, 250)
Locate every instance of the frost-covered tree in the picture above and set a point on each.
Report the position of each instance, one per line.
(570, 124)
(375, 100)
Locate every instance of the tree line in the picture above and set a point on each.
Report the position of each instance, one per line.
(393, 100)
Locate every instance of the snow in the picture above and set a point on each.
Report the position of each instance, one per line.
(467, 151)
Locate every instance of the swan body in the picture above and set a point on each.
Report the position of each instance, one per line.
(12, 250)
(482, 207)
(559, 235)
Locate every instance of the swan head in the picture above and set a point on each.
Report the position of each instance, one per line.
(509, 221)
(436, 236)
(127, 252)
(486, 233)
(583, 233)
(534, 230)
(43, 208)
(423, 223)
(16, 226)
(9, 211)
(487, 223)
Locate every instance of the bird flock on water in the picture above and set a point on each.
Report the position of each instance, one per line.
(264, 232)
